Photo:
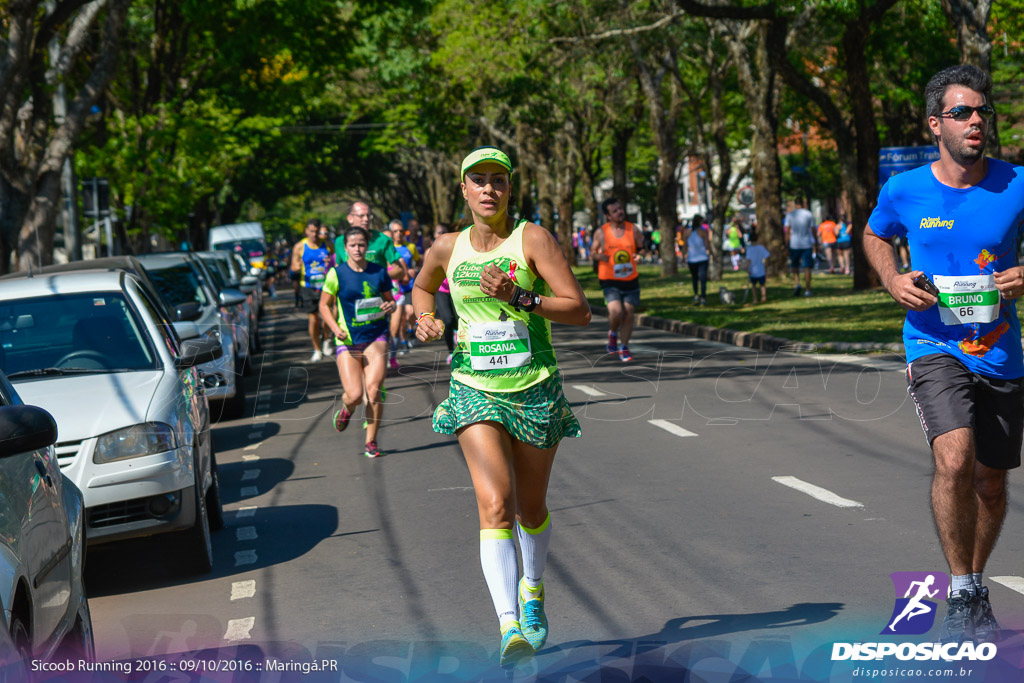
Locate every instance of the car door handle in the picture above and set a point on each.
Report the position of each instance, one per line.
(41, 468)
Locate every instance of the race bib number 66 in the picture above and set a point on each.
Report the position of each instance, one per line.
(967, 299)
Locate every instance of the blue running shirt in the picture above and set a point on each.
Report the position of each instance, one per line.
(359, 300)
(957, 237)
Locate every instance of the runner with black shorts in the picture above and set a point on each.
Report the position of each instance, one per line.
(615, 248)
(962, 217)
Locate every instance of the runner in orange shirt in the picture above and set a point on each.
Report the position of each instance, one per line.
(827, 236)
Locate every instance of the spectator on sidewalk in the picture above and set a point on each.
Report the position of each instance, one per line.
(756, 255)
(799, 228)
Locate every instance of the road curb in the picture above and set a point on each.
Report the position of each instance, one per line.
(751, 340)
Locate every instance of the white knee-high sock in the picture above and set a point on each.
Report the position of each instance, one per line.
(501, 572)
(534, 543)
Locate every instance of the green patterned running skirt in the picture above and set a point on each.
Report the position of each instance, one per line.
(538, 415)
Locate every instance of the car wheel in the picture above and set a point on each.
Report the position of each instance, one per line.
(214, 509)
(197, 541)
(21, 638)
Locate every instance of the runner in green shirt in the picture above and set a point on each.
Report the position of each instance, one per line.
(508, 281)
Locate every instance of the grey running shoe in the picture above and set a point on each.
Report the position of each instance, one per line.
(986, 628)
(958, 626)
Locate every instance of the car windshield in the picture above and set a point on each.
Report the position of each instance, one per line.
(178, 285)
(218, 271)
(247, 248)
(64, 334)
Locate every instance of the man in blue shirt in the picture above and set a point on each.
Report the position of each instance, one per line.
(799, 226)
(962, 217)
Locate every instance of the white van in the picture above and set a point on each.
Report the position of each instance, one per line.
(246, 239)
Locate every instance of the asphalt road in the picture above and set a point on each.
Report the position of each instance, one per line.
(679, 538)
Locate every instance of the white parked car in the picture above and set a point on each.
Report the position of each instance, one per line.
(96, 351)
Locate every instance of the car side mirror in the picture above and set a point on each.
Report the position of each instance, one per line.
(198, 351)
(188, 311)
(231, 297)
(186, 329)
(25, 429)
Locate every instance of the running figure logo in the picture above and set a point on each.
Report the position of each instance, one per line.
(914, 614)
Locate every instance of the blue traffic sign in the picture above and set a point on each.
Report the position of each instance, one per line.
(893, 160)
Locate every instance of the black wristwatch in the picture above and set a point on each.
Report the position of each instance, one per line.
(524, 299)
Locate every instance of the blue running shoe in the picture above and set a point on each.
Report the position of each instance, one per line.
(531, 614)
(514, 647)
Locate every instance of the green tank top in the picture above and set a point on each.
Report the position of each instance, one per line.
(498, 348)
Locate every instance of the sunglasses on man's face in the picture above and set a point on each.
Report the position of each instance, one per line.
(962, 112)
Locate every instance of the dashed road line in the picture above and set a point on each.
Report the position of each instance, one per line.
(244, 557)
(245, 533)
(250, 474)
(240, 590)
(1012, 582)
(239, 629)
(247, 511)
(253, 446)
(824, 495)
(589, 391)
(672, 428)
(248, 491)
(256, 436)
(249, 457)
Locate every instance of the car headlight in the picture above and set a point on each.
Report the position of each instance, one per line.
(136, 441)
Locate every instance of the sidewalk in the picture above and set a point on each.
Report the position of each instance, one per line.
(750, 340)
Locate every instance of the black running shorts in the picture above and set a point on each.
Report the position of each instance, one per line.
(948, 396)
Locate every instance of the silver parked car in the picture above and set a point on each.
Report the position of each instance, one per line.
(182, 281)
(42, 537)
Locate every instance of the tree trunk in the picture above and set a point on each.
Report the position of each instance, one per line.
(620, 150)
(13, 209)
(758, 80)
(567, 178)
(35, 238)
(970, 20)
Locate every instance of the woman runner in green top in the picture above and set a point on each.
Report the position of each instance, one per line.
(508, 281)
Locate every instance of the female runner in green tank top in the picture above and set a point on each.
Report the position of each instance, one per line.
(508, 281)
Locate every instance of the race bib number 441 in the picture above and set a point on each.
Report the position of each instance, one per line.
(499, 345)
(967, 299)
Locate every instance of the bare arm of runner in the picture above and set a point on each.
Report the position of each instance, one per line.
(597, 246)
(326, 304)
(430, 277)
(900, 286)
(544, 257)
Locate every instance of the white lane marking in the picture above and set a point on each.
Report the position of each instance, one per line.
(265, 416)
(670, 427)
(252, 446)
(589, 391)
(255, 435)
(245, 533)
(250, 474)
(240, 590)
(244, 557)
(250, 456)
(452, 488)
(238, 629)
(247, 511)
(250, 491)
(824, 495)
(1013, 582)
